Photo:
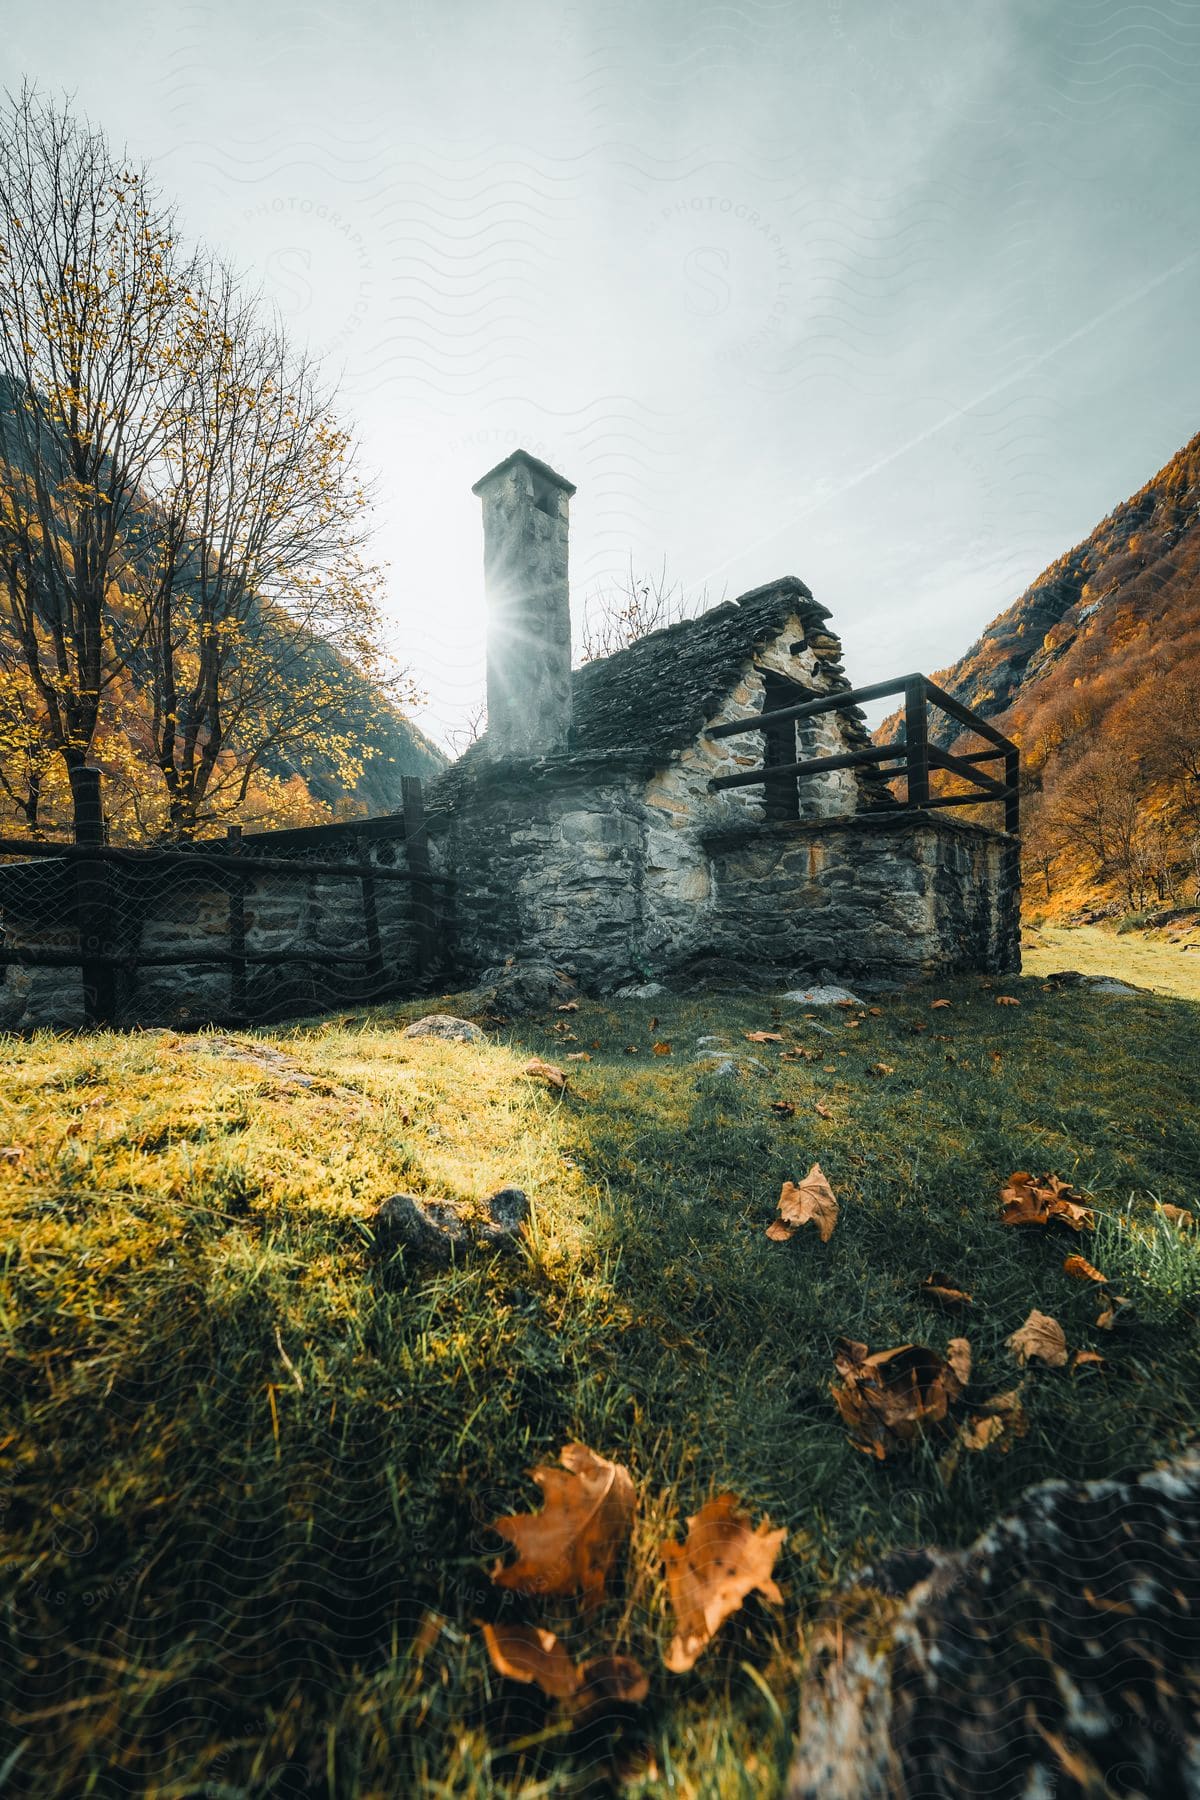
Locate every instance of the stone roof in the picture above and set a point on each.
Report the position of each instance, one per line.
(657, 694)
(660, 692)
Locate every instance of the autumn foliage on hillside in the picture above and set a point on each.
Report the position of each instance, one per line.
(1095, 673)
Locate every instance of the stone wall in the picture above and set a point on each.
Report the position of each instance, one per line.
(897, 896)
(173, 910)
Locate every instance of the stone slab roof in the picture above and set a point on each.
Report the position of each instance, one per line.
(657, 694)
(661, 691)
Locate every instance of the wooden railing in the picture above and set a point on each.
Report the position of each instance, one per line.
(915, 756)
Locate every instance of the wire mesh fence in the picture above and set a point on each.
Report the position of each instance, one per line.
(231, 930)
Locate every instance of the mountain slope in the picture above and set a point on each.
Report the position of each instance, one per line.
(1137, 573)
(1095, 672)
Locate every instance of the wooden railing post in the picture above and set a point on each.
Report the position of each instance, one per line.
(237, 930)
(93, 902)
(1012, 781)
(416, 842)
(916, 740)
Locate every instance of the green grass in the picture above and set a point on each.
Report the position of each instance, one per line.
(248, 1469)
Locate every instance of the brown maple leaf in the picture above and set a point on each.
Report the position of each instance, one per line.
(547, 1072)
(808, 1202)
(570, 1546)
(1027, 1199)
(892, 1398)
(1041, 1337)
(1080, 1269)
(712, 1572)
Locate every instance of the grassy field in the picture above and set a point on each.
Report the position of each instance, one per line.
(249, 1467)
(1155, 960)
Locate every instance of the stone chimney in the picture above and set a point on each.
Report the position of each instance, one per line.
(525, 507)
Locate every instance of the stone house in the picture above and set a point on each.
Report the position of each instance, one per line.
(585, 826)
(627, 819)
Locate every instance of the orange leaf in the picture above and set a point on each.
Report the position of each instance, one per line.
(763, 1037)
(784, 1108)
(808, 1202)
(1111, 1308)
(662, 1049)
(1176, 1215)
(568, 1006)
(712, 1572)
(570, 1546)
(882, 1069)
(547, 1072)
(1041, 1337)
(822, 1111)
(938, 1005)
(527, 1653)
(578, 1056)
(1087, 1358)
(1081, 1270)
(1006, 1000)
(1031, 1200)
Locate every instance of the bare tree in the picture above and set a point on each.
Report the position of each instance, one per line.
(633, 608)
(252, 573)
(96, 338)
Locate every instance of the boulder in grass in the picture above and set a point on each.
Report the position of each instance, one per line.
(445, 1025)
(1059, 1654)
(508, 1209)
(431, 1231)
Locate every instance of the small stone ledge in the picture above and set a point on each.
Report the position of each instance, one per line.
(890, 822)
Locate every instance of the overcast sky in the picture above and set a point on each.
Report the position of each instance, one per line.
(899, 298)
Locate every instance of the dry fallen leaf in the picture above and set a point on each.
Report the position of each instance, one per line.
(11, 1153)
(712, 1572)
(631, 1050)
(545, 1071)
(942, 1291)
(1175, 1215)
(570, 1546)
(993, 1427)
(822, 1111)
(1027, 1199)
(882, 1069)
(1041, 1337)
(652, 1025)
(527, 1653)
(1006, 1000)
(568, 1006)
(661, 1049)
(893, 1397)
(939, 1005)
(876, 1012)
(578, 1056)
(1081, 1270)
(763, 1037)
(808, 1202)
(1087, 1358)
(785, 1108)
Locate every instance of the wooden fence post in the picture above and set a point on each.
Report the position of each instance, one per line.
(416, 843)
(93, 904)
(237, 931)
(916, 741)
